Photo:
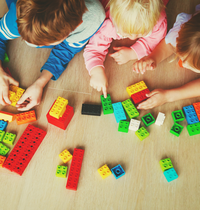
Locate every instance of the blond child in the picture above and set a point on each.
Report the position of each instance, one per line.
(184, 40)
(134, 19)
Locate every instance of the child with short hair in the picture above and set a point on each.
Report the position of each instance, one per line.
(134, 19)
(184, 40)
(64, 25)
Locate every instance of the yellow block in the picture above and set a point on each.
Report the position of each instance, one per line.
(104, 171)
(136, 88)
(65, 156)
(7, 116)
(18, 92)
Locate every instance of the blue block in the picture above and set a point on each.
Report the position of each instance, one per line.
(170, 174)
(119, 112)
(190, 114)
(118, 171)
(3, 125)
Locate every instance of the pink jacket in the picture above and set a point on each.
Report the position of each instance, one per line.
(97, 48)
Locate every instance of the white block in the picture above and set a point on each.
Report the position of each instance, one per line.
(134, 125)
(160, 118)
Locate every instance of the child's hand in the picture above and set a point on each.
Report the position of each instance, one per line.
(144, 64)
(98, 80)
(123, 55)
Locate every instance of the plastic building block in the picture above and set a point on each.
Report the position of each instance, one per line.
(119, 112)
(90, 109)
(104, 171)
(178, 116)
(176, 129)
(65, 156)
(142, 133)
(26, 117)
(7, 116)
(180, 63)
(6, 59)
(160, 118)
(2, 133)
(170, 174)
(118, 171)
(61, 171)
(9, 138)
(134, 125)
(58, 108)
(3, 125)
(107, 104)
(190, 114)
(130, 109)
(197, 109)
(123, 126)
(194, 129)
(75, 169)
(148, 119)
(3, 149)
(140, 96)
(2, 159)
(136, 88)
(166, 164)
(24, 150)
(18, 93)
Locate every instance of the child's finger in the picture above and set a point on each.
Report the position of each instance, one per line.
(23, 98)
(152, 93)
(5, 96)
(13, 81)
(104, 89)
(114, 55)
(29, 106)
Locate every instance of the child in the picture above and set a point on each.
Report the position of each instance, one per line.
(184, 39)
(133, 19)
(64, 25)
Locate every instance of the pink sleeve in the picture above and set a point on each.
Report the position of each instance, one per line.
(144, 46)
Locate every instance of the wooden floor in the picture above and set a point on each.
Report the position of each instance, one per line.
(144, 186)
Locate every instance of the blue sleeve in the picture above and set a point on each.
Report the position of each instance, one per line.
(10, 1)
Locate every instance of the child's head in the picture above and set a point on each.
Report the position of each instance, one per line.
(44, 22)
(188, 44)
(135, 18)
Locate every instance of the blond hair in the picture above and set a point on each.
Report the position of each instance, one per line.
(135, 16)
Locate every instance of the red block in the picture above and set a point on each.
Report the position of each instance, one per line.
(140, 96)
(197, 109)
(63, 121)
(24, 150)
(75, 169)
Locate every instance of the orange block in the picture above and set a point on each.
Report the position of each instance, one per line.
(26, 117)
(2, 159)
(7, 116)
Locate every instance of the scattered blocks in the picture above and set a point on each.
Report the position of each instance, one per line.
(136, 88)
(142, 133)
(7, 116)
(176, 129)
(3, 125)
(3, 149)
(166, 164)
(170, 174)
(118, 171)
(194, 129)
(160, 118)
(178, 116)
(197, 109)
(123, 126)
(148, 119)
(119, 112)
(2, 160)
(61, 171)
(18, 92)
(134, 125)
(130, 109)
(140, 96)
(190, 114)
(65, 156)
(9, 138)
(90, 109)
(107, 104)
(104, 171)
(26, 117)
(2, 133)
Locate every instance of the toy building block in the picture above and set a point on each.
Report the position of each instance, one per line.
(160, 118)
(190, 114)
(2, 160)
(104, 171)
(7, 116)
(134, 125)
(3, 149)
(197, 109)
(91, 109)
(65, 156)
(148, 119)
(176, 129)
(6, 59)
(140, 96)
(58, 108)
(61, 171)
(123, 126)
(18, 93)
(170, 174)
(119, 111)
(193, 129)
(2, 133)
(24, 150)
(166, 164)
(25, 117)
(3, 125)
(142, 133)
(130, 109)
(75, 169)
(136, 88)
(107, 104)
(118, 171)
(9, 138)
(178, 116)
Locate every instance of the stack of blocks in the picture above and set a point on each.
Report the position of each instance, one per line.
(15, 94)
(177, 117)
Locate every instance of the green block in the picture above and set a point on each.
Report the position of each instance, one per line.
(9, 138)
(148, 119)
(142, 133)
(3, 149)
(176, 129)
(2, 133)
(6, 59)
(61, 171)
(178, 116)
(123, 126)
(194, 129)
(166, 164)
(130, 109)
(107, 104)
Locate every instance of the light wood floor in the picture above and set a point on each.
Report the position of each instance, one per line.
(144, 186)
